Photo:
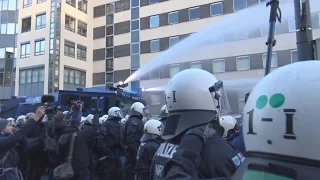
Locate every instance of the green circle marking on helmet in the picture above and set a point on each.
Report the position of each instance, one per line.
(277, 100)
(261, 101)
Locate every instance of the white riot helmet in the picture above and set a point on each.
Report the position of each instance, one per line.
(83, 119)
(115, 112)
(12, 121)
(281, 114)
(138, 107)
(22, 117)
(89, 118)
(193, 97)
(65, 112)
(163, 112)
(152, 130)
(228, 123)
(103, 118)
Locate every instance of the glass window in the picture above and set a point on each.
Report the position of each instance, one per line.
(12, 5)
(109, 30)
(109, 41)
(135, 61)
(135, 24)
(109, 77)
(216, 9)
(82, 28)
(195, 65)
(110, 8)
(294, 56)
(155, 74)
(194, 13)
(135, 48)
(241, 34)
(66, 75)
(154, 21)
(41, 75)
(218, 66)
(239, 4)
(153, 1)
(292, 24)
(109, 64)
(173, 40)
(243, 63)
(2, 52)
(77, 80)
(83, 78)
(109, 53)
(22, 77)
(81, 52)
(154, 45)
(173, 17)
(110, 19)
(35, 75)
(25, 50)
(71, 2)
(17, 28)
(70, 23)
(69, 48)
(135, 36)
(174, 69)
(41, 21)
(39, 47)
(41, 1)
(26, 25)
(274, 60)
(135, 3)
(29, 76)
(27, 3)
(10, 28)
(71, 76)
(82, 5)
(3, 28)
(135, 13)
(4, 4)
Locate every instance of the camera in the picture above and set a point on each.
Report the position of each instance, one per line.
(46, 100)
(76, 105)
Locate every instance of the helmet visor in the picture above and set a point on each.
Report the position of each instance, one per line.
(220, 98)
(119, 114)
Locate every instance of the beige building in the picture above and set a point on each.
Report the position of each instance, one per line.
(54, 46)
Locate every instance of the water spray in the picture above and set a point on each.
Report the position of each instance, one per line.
(275, 14)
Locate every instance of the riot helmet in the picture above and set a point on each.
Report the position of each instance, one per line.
(152, 130)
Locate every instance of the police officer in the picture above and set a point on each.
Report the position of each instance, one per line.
(150, 142)
(132, 136)
(194, 98)
(281, 125)
(110, 148)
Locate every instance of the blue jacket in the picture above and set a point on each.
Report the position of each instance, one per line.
(238, 142)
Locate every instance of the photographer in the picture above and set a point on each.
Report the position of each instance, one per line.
(75, 110)
(9, 157)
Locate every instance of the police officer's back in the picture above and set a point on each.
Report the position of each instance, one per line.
(150, 142)
(133, 134)
(194, 98)
(110, 147)
(281, 125)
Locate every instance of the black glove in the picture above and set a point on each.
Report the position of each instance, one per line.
(204, 132)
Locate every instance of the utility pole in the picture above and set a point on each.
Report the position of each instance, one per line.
(305, 46)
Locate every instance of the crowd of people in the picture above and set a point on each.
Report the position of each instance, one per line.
(192, 138)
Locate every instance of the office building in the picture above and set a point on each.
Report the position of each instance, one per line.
(54, 46)
(128, 34)
(8, 21)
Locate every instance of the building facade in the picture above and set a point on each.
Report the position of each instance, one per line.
(54, 46)
(8, 34)
(134, 32)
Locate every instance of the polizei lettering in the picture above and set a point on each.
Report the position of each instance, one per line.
(167, 150)
(158, 170)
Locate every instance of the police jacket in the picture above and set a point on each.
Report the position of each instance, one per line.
(81, 156)
(146, 151)
(217, 159)
(8, 149)
(133, 134)
(108, 141)
(238, 142)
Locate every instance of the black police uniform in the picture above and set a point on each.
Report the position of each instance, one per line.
(218, 159)
(133, 134)
(110, 149)
(148, 147)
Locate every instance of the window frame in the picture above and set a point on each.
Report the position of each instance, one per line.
(155, 40)
(294, 50)
(174, 65)
(211, 9)
(67, 43)
(41, 1)
(26, 5)
(112, 77)
(195, 62)
(138, 24)
(154, 2)
(169, 17)
(216, 60)
(172, 37)
(234, 10)
(237, 59)
(21, 47)
(158, 77)
(29, 29)
(35, 47)
(80, 32)
(83, 10)
(197, 7)
(151, 27)
(41, 26)
(265, 55)
(82, 48)
(73, 5)
(68, 28)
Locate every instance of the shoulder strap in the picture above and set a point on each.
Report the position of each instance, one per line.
(4, 158)
(74, 135)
